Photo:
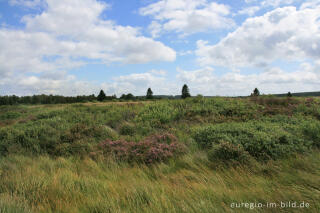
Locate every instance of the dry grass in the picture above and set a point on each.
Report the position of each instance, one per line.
(188, 185)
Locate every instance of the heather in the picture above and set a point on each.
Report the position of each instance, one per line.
(193, 155)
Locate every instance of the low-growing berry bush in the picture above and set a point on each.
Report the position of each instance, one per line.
(159, 114)
(228, 153)
(157, 148)
(9, 115)
(127, 129)
(311, 129)
(262, 140)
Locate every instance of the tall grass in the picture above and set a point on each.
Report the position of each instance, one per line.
(46, 162)
(72, 185)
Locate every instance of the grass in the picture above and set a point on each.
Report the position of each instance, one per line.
(46, 162)
(72, 185)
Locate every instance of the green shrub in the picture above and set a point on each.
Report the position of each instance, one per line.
(127, 129)
(228, 153)
(263, 140)
(9, 115)
(311, 129)
(158, 114)
(52, 114)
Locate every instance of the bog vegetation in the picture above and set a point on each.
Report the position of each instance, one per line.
(192, 155)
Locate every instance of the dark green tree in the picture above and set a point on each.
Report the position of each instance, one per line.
(289, 94)
(185, 92)
(256, 92)
(149, 94)
(101, 96)
(129, 96)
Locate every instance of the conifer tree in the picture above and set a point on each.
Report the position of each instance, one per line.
(185, 92)
(149, 94)
(256, 92)
(101, 96)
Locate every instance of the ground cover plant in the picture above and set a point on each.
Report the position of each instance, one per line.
(193, 155)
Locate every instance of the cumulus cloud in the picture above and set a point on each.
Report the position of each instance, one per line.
(68, 34)
(85, 34)
(187, 16)
(310, 4)
(46, 83)
(251, 10)
(284, 33)
(276, 3)
(137, 83)
(274, 80)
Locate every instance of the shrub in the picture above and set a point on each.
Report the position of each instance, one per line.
(9, 115)
(127, 129)
(228, 153)
(157, 148)
(158, 114)
(263, 140)
(80, 131)
(49, 115)
(311, 129)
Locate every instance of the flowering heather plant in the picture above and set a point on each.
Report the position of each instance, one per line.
(156, 148)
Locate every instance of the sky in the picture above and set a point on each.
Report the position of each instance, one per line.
(224, 48)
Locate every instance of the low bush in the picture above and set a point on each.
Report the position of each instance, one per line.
(275, 101)
(9, 115)
(51, 114)
(80, 131)
(311, 129)
(228, 153)
(157, 148)
(159, 114)
(47, 137)
(127, 129)
(263, 140)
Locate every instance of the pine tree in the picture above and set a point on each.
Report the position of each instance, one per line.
(101, 96)
(289, 94)
(256, 92)
(185, 92)
(149, 94)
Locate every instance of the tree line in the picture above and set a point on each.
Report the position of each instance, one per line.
(102, 96)
(57, 99)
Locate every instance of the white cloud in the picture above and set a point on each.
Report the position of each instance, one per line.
(273, 80)
(284, 33)
(187, 52)
(48, 83)
(250, 1)
(138, 83)
(266, 4)
(276, 3)
(155, 29)
(68, 34)
(250, 11)
(187, 16)
(310, 4)
(202, 76)
(79, 20)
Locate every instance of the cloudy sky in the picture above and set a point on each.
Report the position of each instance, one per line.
(73, 47)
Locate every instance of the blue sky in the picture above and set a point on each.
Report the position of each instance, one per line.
(216, 47)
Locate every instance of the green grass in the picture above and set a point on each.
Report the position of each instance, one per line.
(188, 185)
(46, 161)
